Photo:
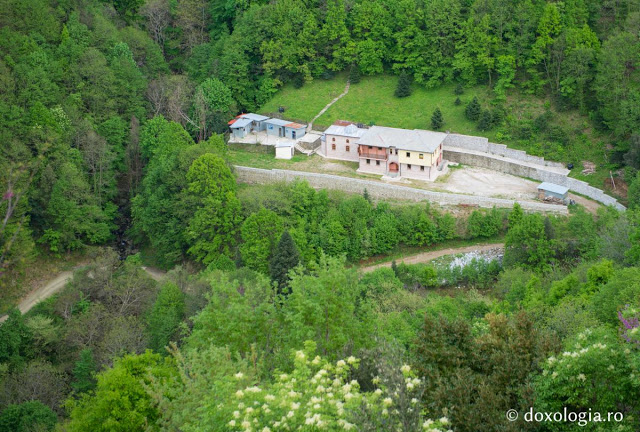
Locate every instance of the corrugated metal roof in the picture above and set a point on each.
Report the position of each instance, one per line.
(255, 117)
(240, 123)
(552, 187)
(349, 130)
(295, 126)
(277, 122)
(403, 139)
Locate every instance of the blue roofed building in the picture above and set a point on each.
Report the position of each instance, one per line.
(551, 190)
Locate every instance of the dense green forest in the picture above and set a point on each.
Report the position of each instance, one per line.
(112, 122)
(82, 79)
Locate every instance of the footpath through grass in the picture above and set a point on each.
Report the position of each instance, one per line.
(306, 102)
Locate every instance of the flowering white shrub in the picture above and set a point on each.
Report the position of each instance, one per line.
(316, 395)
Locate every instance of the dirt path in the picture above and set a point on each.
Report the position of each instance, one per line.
(428, 256)
(59, 282)
(156, 274)
(323, 110)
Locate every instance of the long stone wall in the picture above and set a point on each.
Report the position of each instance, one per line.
(477, 151)
(481, 144)
(379, 190)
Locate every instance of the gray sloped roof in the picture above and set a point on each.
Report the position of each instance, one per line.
(351, 131)
(403, 139)
(277, 122)
(240, 123)
(552, 187)
(255, 117)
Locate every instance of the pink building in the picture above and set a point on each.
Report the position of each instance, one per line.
(387, 151)
(339, 141)
(393, 152)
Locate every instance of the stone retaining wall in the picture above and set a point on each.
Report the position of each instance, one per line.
(483, 145)
(379, 190)
(510, 167)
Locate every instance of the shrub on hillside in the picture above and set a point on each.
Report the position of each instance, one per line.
(437, 120)
(354, 74)
(404, 85)
(473, 109)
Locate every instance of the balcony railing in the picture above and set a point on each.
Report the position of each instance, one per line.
(382, 156)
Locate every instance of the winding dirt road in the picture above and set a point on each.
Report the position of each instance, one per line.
(56, 284)
(59, 282)
(431, 255)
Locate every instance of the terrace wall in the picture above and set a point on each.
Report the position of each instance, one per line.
(379, 190)
(477, 151)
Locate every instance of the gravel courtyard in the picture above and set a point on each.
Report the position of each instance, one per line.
(482, 182)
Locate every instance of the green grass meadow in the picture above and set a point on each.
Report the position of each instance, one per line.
(306, 102)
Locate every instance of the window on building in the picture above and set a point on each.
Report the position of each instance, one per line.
(333, 139)
(377, 162)
(408, 154)
(409, 166)
(396, 151)
(379, 148)
(333, 146)
(421, 156)
(347, 140)
(370, 147)
(348, 148)
(368, 161)
(421, 168)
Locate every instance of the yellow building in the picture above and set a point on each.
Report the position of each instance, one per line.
(401, 152)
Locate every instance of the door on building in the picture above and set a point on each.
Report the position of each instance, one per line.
(393, 169)
(293, 134)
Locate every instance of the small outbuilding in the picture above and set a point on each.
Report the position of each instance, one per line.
(240, 127)
(285, 128)
(276, 127)
(284, 150)
(257, 121)
(552, 190)
(295, 130)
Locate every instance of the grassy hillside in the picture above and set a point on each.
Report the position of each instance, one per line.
(531, 123)
(306, 102)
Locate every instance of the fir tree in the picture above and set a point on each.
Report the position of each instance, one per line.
(354, 74)
(486, 120)
(473, 109)
(437, 120)
(459, 89)
(285, 257)
(404, 85)
(394, 267)
(366, 195)
(457, 101)
(83, 372)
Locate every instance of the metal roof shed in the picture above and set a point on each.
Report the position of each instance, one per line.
(255, 117)
(240, 123)
(553, 190)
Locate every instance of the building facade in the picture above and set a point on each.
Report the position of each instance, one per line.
(339, 141)
(285, 128)
(393, 152)
(244, 124)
